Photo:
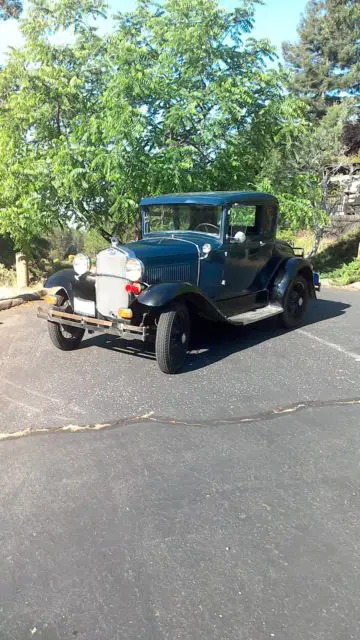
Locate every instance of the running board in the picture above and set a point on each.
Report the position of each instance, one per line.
(255, 316)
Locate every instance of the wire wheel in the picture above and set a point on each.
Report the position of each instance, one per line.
(295, 303)
(172, 338)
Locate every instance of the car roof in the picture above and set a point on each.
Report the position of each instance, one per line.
(211, 197)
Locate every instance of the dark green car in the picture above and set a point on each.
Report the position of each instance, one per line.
(213, 255)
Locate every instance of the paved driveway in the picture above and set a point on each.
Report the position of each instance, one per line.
(221, 503)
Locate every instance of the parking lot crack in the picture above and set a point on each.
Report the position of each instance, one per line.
(151, 417)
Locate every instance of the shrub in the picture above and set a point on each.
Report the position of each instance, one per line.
(338, 254)
(7, 276)
(346, 274)
(285, 235)
(94, 242)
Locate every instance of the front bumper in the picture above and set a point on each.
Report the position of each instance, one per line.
(115, 327)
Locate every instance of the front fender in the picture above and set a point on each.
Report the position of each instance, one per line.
(287, 272)
(160, 295)
(73, 285)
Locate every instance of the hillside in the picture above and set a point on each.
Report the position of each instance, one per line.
(339, 261)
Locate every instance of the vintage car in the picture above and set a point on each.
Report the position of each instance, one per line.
(212, 255)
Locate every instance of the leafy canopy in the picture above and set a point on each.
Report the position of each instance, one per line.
(326, 59)
(10, 9)
(177, 98)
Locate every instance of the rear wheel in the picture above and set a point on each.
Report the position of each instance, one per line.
(295, 303)
(172, 338)
(65, 337)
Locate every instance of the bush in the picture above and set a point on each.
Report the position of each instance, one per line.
(7, 252)
(338, 254)
(93, 243)
(346, 274)
(64, 242)
(285, 235)
(7, 277)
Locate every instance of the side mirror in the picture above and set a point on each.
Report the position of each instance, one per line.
(240, 237)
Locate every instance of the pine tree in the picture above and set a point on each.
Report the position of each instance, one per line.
(326, 59)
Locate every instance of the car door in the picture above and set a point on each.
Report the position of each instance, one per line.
(247, 250)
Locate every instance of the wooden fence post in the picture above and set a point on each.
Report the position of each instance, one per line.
(22, 274)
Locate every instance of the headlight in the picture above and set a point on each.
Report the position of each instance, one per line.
(134, 269)
(81, 264)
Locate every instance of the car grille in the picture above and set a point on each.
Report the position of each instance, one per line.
(110, 282)
(171, 273)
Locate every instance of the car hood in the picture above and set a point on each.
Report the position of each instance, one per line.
(169, 259)
(163, 249)
(183, 247)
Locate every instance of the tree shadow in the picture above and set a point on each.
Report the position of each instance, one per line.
(212, 342)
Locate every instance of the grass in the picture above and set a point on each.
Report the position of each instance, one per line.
(346, 274)
(303, 239)
(338, 253)
(336, 261)
(339, 261)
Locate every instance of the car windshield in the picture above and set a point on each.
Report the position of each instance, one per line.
(183, 217)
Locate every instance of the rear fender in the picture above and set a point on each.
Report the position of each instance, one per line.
(287, 271)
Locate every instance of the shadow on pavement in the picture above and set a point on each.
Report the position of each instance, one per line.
(212, 342)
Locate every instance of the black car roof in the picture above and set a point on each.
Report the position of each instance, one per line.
(211, 197)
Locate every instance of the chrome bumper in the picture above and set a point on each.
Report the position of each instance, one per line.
(115, 327)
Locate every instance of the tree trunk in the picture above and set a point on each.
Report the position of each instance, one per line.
(318, 235)
(22, 274)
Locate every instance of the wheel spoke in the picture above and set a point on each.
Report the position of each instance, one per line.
(296, 300)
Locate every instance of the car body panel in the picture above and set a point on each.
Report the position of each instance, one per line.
(74, 286)
(286, 273)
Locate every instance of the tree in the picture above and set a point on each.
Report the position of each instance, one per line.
(188, 106)
(351, 138)
(49, 115)
(300, 169)
(326, 60)
(177, 98)
(10, 9)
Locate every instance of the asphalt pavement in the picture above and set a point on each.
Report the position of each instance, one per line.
(221, 503)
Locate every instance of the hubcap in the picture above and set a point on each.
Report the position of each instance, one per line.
(296, 300)
(179, 335)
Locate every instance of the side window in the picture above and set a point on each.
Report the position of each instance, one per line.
(242, 218)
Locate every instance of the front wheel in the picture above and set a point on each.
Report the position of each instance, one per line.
(65, 338)
(172, 338)
(295, 303)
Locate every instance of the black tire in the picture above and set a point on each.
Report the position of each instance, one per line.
(66, 337)
(295, 303)
(172, 338)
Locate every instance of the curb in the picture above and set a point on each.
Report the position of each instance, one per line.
(15, 302)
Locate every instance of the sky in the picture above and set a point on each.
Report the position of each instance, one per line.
(276, 20)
